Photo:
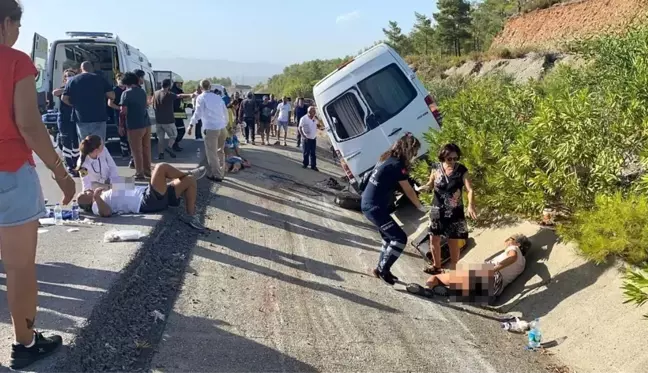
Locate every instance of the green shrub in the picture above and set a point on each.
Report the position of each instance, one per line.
(635, 287)
(615, 226)
(555, 143)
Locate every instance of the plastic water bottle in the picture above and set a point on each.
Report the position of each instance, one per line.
(58, 214)
(75, 211)
(535, 335)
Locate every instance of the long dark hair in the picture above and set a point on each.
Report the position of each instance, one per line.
(87, 146)
(404, 149)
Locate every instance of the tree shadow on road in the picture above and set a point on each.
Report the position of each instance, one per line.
(295, 225)
(228, 352)
(59, 302)
(304, 206)
(299, 262)
(242, 264)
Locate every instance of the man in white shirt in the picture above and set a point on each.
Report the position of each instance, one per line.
(308, 129)
(282, 117)
(153, 198)
(211, 110)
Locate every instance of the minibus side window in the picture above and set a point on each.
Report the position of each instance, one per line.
(347, 116)
(387, 92)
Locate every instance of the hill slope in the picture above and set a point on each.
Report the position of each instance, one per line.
(568, 21)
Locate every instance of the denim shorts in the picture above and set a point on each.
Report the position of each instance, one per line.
(281, 124)
(21, 197)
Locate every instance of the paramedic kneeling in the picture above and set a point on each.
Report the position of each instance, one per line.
(155, 197)
(391, 171)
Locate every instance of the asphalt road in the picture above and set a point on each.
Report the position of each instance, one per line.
(282, 284)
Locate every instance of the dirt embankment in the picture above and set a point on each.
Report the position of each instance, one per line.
(547, 28)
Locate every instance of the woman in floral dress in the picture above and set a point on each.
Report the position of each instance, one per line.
(447, 218)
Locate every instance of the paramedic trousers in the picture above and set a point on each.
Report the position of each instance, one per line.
(180, 125)
(250, 131)
(394, 238)
(69, 143)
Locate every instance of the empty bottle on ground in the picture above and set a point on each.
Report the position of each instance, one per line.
(58, 214)
(75, 211)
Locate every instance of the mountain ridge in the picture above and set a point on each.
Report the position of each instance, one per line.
(250, 73)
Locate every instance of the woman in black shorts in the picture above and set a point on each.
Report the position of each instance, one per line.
(447, 180)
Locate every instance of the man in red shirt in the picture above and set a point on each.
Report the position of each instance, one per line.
(21, 197)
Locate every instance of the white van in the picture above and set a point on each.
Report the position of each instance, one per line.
(108, 54)
(367, 104)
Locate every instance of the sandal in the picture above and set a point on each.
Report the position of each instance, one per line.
(432, 270)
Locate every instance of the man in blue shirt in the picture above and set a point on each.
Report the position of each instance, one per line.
(88, 94)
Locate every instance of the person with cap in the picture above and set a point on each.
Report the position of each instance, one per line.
(179, 113)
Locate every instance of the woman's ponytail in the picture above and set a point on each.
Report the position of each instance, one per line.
(87, 146)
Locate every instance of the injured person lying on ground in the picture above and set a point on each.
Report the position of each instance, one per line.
(484, 281)
(157, 196)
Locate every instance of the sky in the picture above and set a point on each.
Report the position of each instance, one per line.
(285, 32)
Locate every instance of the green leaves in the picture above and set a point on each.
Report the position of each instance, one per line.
(635, 287)
(564, 142)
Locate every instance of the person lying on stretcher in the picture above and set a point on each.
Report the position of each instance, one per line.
(492, 276)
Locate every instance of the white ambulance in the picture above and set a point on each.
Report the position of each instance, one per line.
(108, 54)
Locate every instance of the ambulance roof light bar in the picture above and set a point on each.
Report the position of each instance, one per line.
(76, 34)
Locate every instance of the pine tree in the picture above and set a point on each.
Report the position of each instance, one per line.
(396, 39)
(454, 22)
(422, 35)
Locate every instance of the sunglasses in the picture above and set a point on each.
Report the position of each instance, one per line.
(452, 159)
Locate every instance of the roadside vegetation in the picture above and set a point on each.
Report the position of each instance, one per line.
(575, 142)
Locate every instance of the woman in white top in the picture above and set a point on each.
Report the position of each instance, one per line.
(497, 272)
(96, 166)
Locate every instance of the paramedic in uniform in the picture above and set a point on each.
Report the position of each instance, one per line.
(179, 114)
(68, 136)
(391, 171)
(96, 166)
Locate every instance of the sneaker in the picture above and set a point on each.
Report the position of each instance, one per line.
(215, 179)
(131, 164)
(161, 157)
(195, 223)
(387, 277)
(304, 167)
(171, 153)
(177, 148)
(198, 173)
(376, 273)
(200, 139)
(315, 169)
(246, 141)
(22, 356)
(140, 178)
